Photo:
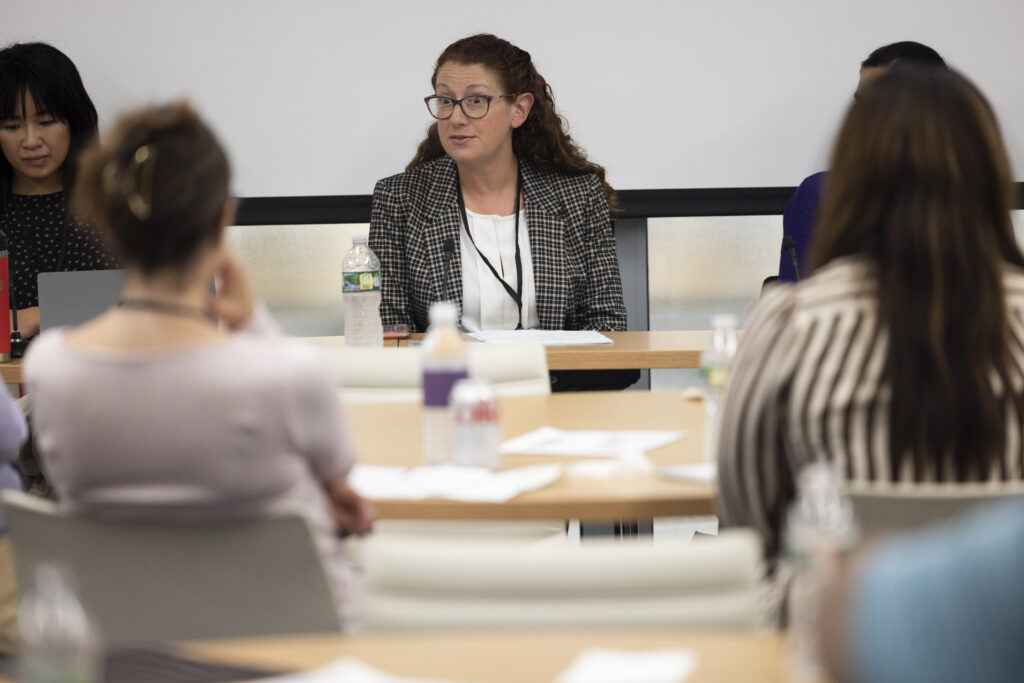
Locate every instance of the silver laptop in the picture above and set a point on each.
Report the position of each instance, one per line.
(71, 298)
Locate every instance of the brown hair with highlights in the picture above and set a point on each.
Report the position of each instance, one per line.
(542, 140)
(157, 185)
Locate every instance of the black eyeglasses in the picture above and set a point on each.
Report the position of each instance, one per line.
(473, 106)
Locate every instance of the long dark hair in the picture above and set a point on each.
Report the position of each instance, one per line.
(51, 79)
(542, 140)
(921, 185)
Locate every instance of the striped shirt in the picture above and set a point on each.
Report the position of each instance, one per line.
(807, 385)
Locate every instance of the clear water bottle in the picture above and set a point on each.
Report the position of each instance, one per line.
(59, 643)
(444, 364)
(715, 365)
(361, 293)
(819, 528)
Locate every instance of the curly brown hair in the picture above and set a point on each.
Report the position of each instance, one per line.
(542, 140)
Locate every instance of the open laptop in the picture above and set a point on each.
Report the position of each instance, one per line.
(71, 298)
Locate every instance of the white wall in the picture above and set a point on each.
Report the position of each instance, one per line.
(324, 97)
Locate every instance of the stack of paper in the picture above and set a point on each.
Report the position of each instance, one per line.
(347, 669)
(451, 482)
(598, 665)
(544, 337)
(578, 442)
(704, 472)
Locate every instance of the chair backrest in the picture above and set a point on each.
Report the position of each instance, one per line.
(513, 369)
(880, 507)
(448, 582)
(367, 375)
(161, 581)
(390, 375)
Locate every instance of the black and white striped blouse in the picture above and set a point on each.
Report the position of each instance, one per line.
(807, 386)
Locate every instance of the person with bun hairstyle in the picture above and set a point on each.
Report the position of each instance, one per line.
(901, 357)
(46, 119)
(499, 210)
(153, 410)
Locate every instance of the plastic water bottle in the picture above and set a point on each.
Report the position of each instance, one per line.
(819, 529)
(444, 364)
(715, 365)
(59, 643)
(361, 293)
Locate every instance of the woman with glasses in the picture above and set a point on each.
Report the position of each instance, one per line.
(499, 211)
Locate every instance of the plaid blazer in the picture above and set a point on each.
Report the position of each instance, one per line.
(575, 268)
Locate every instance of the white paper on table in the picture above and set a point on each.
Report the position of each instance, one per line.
(451, 482)
(544, 337)
(600, 665)
(581, 442)
(704, 472)
(348, 669)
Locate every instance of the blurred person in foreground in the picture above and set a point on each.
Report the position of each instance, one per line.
(901, 358)
(153, 410)
(801, 212)
(943, 604)
(13, 432)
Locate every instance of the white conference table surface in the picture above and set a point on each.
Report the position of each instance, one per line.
(389, 434)
(506, 656)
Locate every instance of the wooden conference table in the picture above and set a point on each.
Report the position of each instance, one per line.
(628, 351)
(389, 434)
(506, 656)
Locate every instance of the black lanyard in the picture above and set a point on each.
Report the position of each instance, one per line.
(517, 293)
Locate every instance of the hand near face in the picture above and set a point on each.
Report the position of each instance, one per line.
(352, 513)
(233, 302)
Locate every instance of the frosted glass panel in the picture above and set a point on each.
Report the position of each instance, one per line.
(296, 271)
(704, 265)
(699, 266)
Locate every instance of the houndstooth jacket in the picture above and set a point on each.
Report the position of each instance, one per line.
(576, 271)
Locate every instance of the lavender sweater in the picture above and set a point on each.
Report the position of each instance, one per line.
(223, 430)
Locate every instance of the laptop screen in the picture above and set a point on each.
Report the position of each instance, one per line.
(72, 298)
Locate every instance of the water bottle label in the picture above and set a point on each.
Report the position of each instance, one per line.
(366, 281)
(437, 385)
(717, 376)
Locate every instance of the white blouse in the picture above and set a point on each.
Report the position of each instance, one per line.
(485, 303)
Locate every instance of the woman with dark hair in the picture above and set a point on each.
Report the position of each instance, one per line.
(499, 211)
(901, 359)
(153, 411)
(46, 119)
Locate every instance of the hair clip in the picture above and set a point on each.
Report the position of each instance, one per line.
(140, 199)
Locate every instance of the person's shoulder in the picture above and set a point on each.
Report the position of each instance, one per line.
(416, 177)
(561, 188)
(813, 183)
(43, 351)
(850, 280)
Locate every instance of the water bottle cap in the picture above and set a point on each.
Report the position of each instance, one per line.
(443, 313)
(359, 240)
(720, 320)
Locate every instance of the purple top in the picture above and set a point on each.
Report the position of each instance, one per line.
(798, 223)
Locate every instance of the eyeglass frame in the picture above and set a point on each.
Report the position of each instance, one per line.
(489, 98)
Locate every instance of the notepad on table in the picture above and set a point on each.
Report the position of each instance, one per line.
(543, 337)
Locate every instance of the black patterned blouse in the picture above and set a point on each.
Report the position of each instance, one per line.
(38, 233)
